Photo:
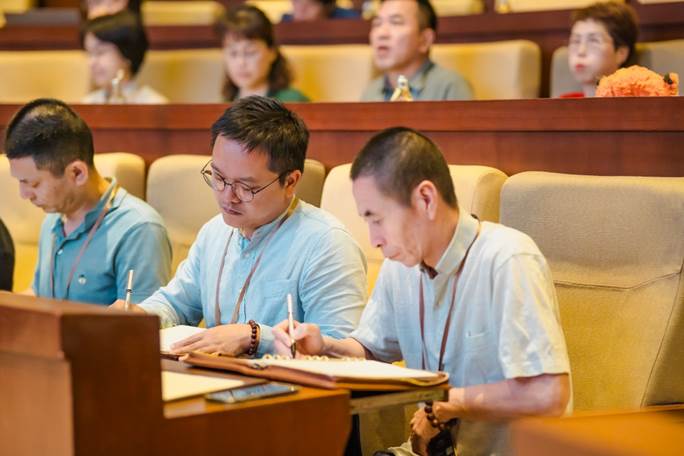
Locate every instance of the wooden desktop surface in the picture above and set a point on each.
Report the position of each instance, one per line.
(653, 432)
(82, 380)
(616, 136)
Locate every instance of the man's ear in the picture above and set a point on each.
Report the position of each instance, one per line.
(424, 199)
(78, 172)
(427, 39)
(291, 181)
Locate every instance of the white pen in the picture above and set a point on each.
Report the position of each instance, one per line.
(129, 291)
(290, 322)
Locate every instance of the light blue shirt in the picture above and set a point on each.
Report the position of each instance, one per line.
(506, 322)
(132, 236)
(311, 256)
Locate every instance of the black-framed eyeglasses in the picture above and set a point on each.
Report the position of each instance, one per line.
(241, 191)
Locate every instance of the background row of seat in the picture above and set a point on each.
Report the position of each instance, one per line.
(496, 70)
(614, 246)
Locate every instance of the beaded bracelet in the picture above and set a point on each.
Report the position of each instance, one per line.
(434, 422)
(254, 338)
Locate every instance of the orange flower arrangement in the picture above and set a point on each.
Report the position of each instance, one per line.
(637, 81)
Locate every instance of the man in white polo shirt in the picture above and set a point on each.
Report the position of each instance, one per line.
(474, 299)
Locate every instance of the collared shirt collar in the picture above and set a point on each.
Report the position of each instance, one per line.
(466, 231)
(261, 232)
(91, 216)
(416, 82)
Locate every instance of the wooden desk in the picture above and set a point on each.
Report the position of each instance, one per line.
(619, 136)
(81, 380)
(653, 432)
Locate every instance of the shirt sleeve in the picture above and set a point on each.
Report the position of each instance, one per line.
(332, 287)
(180, 302)
(459, 89)
(146, 250)
(531, 340)
(377, 331)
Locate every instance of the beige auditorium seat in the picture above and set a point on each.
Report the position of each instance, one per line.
(523, 6)
(23, 219)
(660, 56)
(275, 9)
(176, 189)
(331, 72)
(457, 7)
(25, 75)
(496, 70)
(181, 12)
(616, 250)
(185, 75)
(129, 170)
(477, 189)
(16, 6)
(178, 192)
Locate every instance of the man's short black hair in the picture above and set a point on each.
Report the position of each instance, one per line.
(401, 158)
(427, 17)
(264, 125)
(125, 31)
(51, 133)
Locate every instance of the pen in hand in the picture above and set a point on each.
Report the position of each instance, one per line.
(129, 291)
(290, 322)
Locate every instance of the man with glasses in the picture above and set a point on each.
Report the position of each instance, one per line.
(265, 245)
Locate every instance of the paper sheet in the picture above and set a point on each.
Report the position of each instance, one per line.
(170, 336)
(361, 369)
(176, 385)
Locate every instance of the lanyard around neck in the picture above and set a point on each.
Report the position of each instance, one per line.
(447, 324)
(245, 286)
(85, 245)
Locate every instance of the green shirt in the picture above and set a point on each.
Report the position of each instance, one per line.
(289, 95)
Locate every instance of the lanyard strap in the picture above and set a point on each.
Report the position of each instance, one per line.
(85, 245)
(447, 324)
(245, 286)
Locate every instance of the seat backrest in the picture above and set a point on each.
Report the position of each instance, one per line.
(659, 56)
(331, 72)
(129, 170)
(616, 249)
(185, 75)
(522, 6)
(26, 75)
(195, 12)
(310, 187)
(457, 7)
(23, 219)
(497, 70)
(178, 192)
(477, 189)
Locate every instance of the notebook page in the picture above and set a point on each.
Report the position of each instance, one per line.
(360, 370)
(176, 385)
(169, 336)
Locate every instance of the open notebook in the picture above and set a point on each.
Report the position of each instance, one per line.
(323, 372)
(169, 336)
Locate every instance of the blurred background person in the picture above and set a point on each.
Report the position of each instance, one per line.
(602, 40)
(253, 63)
(116, 45)
(402, 33)
(312, 10)
(6, 258)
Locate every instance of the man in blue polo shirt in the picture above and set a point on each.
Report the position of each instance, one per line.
(95, 231)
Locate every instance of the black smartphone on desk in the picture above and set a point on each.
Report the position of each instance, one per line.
(247, 393)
